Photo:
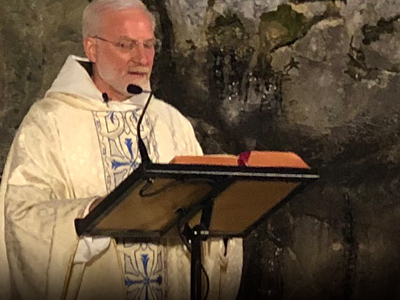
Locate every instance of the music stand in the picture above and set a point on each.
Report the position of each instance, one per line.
(205, 197)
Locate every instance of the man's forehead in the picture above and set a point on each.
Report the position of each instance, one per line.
(130, 22)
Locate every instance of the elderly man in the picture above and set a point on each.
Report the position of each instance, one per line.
(74, 147)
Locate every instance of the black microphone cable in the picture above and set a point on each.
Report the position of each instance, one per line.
(181, 212)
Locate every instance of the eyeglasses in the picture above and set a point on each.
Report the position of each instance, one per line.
(128, 45)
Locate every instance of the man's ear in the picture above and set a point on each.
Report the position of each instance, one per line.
(90, 47)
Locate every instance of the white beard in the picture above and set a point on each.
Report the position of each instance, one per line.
(111, 77)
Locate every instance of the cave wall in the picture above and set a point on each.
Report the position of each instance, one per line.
(320, 78)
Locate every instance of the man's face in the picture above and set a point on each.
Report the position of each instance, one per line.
(122, 52)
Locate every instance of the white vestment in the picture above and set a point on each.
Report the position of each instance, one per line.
(71, 148)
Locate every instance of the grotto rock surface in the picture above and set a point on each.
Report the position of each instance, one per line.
(320, 78)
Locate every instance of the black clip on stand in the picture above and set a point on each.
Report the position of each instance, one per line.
(195, 236)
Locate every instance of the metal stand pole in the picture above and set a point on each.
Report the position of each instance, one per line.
(198, 234)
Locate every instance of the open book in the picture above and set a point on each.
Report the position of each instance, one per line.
(250, 158)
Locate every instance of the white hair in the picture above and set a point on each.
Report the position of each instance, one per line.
(92, 15)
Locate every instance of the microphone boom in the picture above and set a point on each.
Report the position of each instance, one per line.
(136, 90)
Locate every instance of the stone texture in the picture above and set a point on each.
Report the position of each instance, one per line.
(36, 37)
(320, 78)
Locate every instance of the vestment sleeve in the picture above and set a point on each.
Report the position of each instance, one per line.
(89, 247)
(193, 146)
(40, 208)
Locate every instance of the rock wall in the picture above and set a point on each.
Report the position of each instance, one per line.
(320, 78)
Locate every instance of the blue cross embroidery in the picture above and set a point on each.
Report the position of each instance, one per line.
(131, 162)
(147, 278)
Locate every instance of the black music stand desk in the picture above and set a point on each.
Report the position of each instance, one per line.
(157, 201)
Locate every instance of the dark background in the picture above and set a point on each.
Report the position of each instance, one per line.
(319, 78)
